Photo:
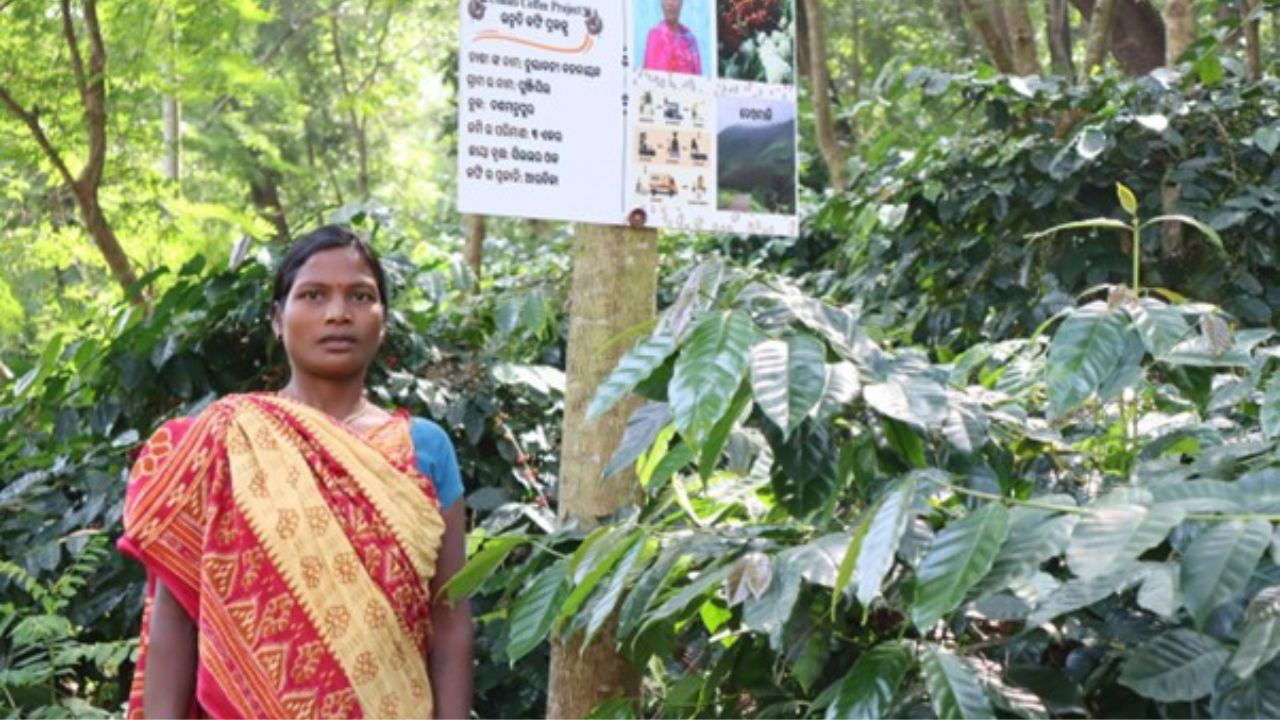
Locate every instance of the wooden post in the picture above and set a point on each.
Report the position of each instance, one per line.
(613, 291)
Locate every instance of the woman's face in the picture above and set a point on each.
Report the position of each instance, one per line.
(332, 320)
(671, 10)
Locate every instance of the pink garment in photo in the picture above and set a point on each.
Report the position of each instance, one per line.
(672, 50)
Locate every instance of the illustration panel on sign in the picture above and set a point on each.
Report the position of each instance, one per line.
(674, 35)
(756, 40)
(756, 155)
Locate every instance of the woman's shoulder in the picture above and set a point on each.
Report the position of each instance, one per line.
(427, 433)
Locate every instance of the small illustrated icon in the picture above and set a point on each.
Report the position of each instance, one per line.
(475, 9)
(594, 24)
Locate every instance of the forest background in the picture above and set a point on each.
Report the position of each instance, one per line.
(925, 459)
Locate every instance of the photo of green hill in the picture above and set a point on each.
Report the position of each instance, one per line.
(756, 156)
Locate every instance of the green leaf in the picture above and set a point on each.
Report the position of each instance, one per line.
(1160, 326)
(719, 435)
(959, 556)
(966, 425)
(704, 583)
(880, 543)
(1178, 666)
(594, 565)
(1258, 697)
(788, 378)
(1091, 142)
(1209, 233)
(642, 429)
(1079, 593)
(868, 689)
(1113, 535)
(1087, 348)
(1260, 638)
(1160, 593)
(708, 370)
(639, 362)
(603, 607)
(1270, 410)
(1218, 563)
(953, 686)
(1127, 199)
(1034, 537)
(913, 399)
(841, 387)
(535, 610)
(1095, 223)
(804, 474)
(645, 589)
(1267, 137)
(478, 567)
(768, 613)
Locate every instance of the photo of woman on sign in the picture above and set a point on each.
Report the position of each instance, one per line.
(671, 46)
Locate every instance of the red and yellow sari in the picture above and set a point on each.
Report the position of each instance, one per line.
(301, 550)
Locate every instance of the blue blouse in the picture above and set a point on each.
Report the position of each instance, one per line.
(437, 459)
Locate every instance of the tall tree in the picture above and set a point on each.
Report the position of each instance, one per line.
(1251, 17)
(1058, 31)
(1022, 37)
(91, 85)
(613, 289)
(474, 229)
(1095, 51)
(1180, 29)
(828, 143)
(1136, 38)
(987, 20)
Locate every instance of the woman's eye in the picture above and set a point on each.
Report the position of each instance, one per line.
(364, 296)
(309, 294)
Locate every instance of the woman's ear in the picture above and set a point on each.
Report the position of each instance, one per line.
(275, 322)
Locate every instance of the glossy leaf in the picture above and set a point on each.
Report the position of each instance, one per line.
(1218, 563)
(1085, 350)
(639, 362)
(1034, 537)
(788, 378)
(535, 610)
(877, 547)
(953, 686)
(1260, 637)
(959, 556)
(1161, 327)
(1178, 666)
(867, 690)
(1270, 410)
(642, 429)
(914, 399)
(710, 365)
(1112, 535)
(480, 565)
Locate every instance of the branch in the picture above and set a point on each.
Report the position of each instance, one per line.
(95, 98)
(377, 58)
(32, 121)
(337, 55)
(69, 30)
(4, 5)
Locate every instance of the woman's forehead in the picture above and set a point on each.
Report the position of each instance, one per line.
(340, 264)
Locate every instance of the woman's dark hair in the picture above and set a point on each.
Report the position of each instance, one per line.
(325, 238)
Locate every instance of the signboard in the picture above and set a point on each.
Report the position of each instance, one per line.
(666, 113)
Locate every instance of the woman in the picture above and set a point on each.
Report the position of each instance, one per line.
(670, 46)
(296, 542)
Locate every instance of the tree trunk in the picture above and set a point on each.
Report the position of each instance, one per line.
(264, 191)
(1099, 34)
(1180, 29)
(474, 228)
(1022, 37)
(1137, 34)
(613, 290)
(821, 96)
(1058, 30)
(1252, 39)
(95, 221)
(172, 112)
(983, 16)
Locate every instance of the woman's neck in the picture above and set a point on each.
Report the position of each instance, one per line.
(339, 399)
(673, 25)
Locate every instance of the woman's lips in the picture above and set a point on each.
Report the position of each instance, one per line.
(338, 343)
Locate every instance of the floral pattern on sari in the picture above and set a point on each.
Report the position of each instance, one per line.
(302, 551)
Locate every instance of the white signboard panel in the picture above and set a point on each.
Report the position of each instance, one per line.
(667, 113)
